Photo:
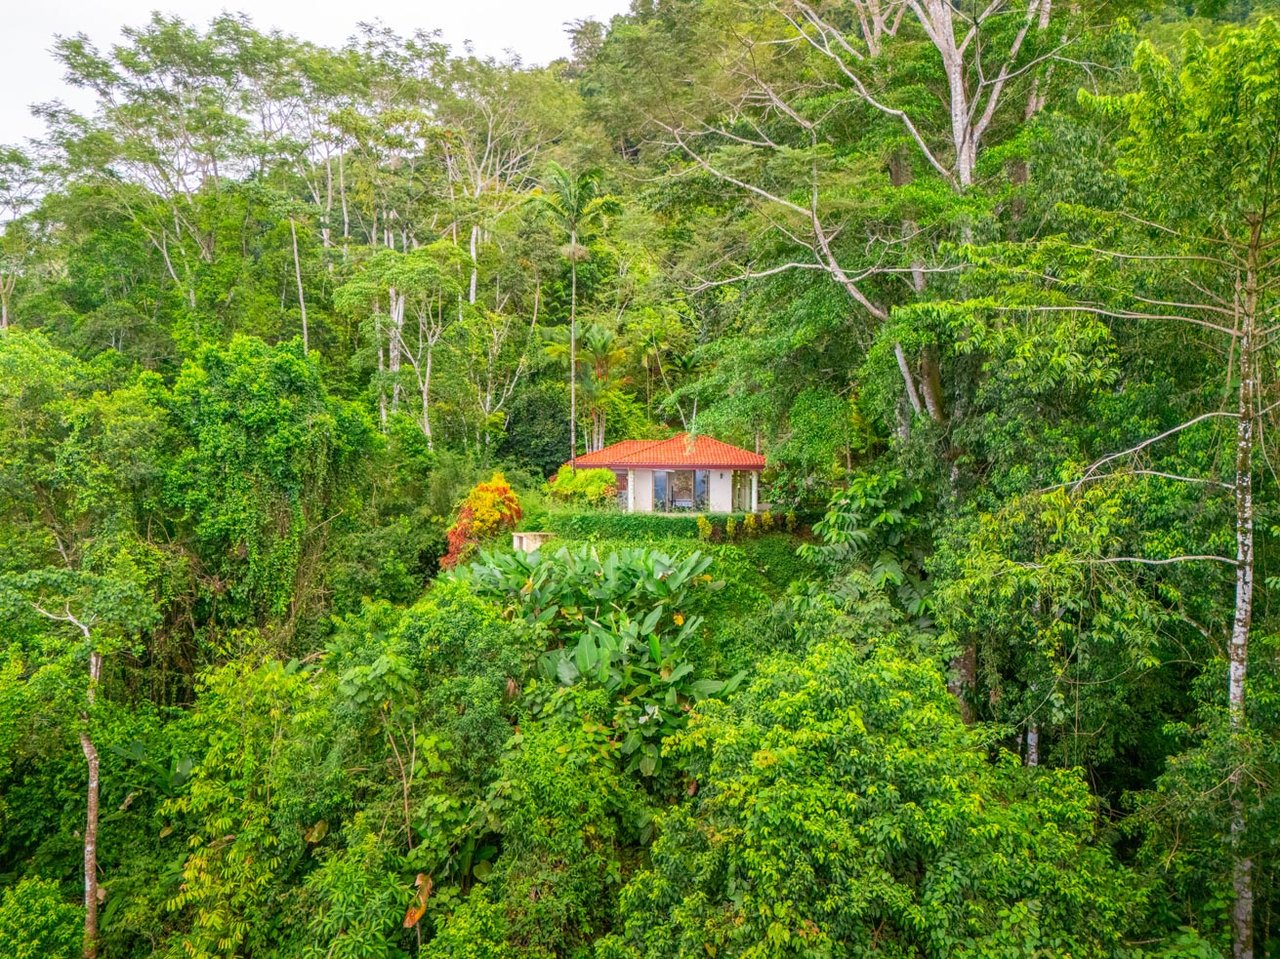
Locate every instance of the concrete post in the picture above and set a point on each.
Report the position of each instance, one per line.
(631, 491)
(755, 490)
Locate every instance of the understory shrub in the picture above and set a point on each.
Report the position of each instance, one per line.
(589, 487)
(489, 508)
(844, 809)
(36, 922)
(470, 661)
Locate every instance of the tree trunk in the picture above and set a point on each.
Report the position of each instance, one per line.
(931, 387)
(91, 815)
(382, 365)
(964, 677)
(1238, 649)
(900, 175)
(342, 193)
(962, 138)
(426, 398)
(908, 379)
(7, 285)
(471, 296)
(395, 301)
(597, 429)
(326, 229)
(297, 273)
(573, 354)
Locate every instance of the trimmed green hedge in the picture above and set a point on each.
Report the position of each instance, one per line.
(605, 524)
(621, 525)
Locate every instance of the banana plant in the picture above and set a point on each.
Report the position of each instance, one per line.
(623, 622)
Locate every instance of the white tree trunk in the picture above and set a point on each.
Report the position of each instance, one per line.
(475, 271)
(7, 285)
(342, 193)
(382, 366)
(1238, 648)
(91, 814)
(426, 398)
(395, 333)
(297, 273)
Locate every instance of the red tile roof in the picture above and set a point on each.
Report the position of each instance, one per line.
(612, 454)
(682, 451)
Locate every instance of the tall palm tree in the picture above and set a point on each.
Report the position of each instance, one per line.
(574, 206)
(605, 354)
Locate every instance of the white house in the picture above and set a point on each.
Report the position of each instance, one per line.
(683, 473)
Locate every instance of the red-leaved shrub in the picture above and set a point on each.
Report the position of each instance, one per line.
(487, 510)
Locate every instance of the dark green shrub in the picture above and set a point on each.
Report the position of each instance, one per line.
(646, 526)
(570, 814)
(633, 526)
(775, 556)
(538, 431)
(392, 560)
(470, 662)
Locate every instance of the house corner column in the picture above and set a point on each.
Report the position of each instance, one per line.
(755, 491)
(631, 491)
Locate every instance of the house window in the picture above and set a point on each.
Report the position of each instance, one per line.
(621, 476)
(680, 489)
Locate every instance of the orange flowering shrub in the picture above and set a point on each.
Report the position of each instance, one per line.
(488, 509)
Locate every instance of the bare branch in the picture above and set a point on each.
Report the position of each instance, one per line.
(1117, 314)
(1190, 558)
(757, 274)
(824, 47)
(1151, 441)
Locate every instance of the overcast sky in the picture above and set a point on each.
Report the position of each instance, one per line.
(533, 29)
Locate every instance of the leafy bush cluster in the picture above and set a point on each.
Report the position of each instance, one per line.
(733, 526)
(490, 508)
(844, 809)
(36, 922)
(588, 487)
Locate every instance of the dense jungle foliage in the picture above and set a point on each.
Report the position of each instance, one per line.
(292, 338)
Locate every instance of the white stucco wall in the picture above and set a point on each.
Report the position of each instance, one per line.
(720, 492)
(643, 491)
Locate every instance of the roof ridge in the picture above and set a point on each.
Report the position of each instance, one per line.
(686, 450)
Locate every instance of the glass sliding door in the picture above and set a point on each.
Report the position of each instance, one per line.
(701, 489)
(741, 491)
(661, 499)
(682, 489)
